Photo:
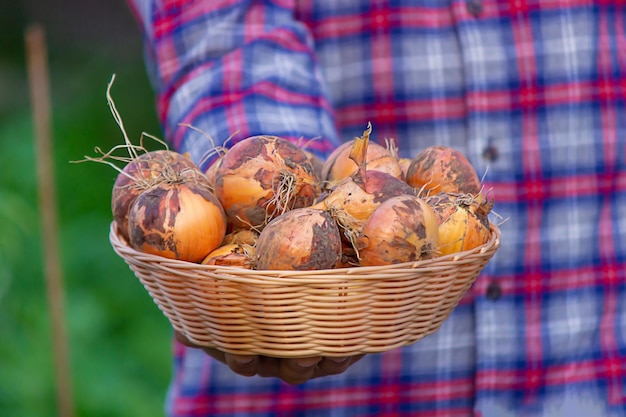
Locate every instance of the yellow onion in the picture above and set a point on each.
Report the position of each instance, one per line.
(177, 220)
(441, 169)
(242, 237)
(463, 221)
(141, 173)
(357, 196)
(232, 254)
(401, 229)
(339, 165)
(301, 239)
(262, 177)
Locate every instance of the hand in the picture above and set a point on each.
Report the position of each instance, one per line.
(292, 371)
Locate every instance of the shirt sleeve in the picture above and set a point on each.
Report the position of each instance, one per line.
(233, 69)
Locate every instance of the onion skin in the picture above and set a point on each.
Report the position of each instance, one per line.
(441, 169)
(260, 178)
(181, 220)
(401, 229)
(140, 174)
(338, 166)
(302, 239)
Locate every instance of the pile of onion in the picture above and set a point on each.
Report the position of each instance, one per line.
(260, 205)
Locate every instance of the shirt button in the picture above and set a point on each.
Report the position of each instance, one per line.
(474, 7)
(494, 291)
(490, 153)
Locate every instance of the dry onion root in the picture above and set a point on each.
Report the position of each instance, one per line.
(262, 189)
(301, 239)
(260, 178)
(401, 229)
(463, 221)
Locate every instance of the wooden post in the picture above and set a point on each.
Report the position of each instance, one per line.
(36, 54)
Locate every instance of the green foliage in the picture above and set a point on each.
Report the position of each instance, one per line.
(119, 341)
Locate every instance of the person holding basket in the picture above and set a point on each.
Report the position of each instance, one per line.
(533, 92)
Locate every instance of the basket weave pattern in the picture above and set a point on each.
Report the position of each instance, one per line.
(291, 314)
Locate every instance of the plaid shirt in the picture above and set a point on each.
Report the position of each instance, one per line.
(532, 91)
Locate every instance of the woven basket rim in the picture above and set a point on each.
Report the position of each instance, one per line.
(361, 272)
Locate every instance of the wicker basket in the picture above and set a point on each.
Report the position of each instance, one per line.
(292, 314)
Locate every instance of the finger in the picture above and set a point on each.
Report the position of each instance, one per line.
(215, 354)
(181, 338)
(268, 366)
(336, 365)
(246, 365)
(298, 371)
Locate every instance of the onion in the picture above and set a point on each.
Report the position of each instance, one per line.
(262, 177)
(141, 173)
(177, 220)
(232, 254)
(339, 166)
(356, 197)
(242, 237)
(441, 169)
(401, 229)
(300, 239)
(463, 221)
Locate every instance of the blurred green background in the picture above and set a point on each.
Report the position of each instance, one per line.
(119, 341)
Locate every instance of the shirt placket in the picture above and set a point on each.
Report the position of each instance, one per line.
(483, 50)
